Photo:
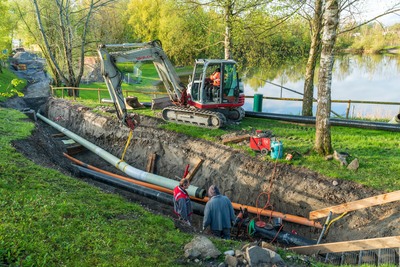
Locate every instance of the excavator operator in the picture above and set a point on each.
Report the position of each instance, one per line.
(215, 78)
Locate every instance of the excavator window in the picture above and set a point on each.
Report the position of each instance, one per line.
(230, 83)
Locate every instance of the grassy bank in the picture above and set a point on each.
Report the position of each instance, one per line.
(48, 219)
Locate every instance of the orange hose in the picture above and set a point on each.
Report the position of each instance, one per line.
(236, 206)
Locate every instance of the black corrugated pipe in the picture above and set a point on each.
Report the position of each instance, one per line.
(137, 189)
(335, 122)
(283, 237)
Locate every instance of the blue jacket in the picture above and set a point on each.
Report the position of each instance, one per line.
(218, 213)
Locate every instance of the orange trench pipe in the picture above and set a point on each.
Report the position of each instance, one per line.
(236, 206)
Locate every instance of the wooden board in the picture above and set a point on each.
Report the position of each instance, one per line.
(195, 169)
(150, 163)
(235, 139)
(355, 205)
(355, 245)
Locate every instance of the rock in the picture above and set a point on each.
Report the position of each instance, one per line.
(239, 253)
(354, 165)
(258, 256)
(202, 247)
(335, 183)
(231, 261)
(341, 157)
(230, 252)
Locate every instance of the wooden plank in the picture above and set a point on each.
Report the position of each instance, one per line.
(58, 135)
(355, 245)
(192, 173)
(356, 205)
(75, 149)
(150, 163)
(235, 139)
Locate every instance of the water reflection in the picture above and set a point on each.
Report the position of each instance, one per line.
(355, 77)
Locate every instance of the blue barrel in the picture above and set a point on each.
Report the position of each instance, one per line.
(257, 105)
(276, 150)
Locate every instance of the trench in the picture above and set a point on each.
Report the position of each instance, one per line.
(243, 178)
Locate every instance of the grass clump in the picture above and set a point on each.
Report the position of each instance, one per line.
(10, 85)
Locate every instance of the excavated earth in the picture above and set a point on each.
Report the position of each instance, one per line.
(241, 177)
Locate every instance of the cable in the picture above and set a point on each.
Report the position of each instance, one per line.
(334, 220)
(127, 144)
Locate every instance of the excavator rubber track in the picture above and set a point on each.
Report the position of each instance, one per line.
(195, 117)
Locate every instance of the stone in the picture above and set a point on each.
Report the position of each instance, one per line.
(231, 261)
(335, 183)
(201, 247)
(258, 256)
(230, 252)
(354, 165)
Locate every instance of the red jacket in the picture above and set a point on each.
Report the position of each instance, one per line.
(216, 78)
(182, 204)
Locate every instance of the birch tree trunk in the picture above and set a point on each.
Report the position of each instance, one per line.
(315, 48)
(228, 30)
(323, 143)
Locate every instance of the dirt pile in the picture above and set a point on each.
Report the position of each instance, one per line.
(241, 177)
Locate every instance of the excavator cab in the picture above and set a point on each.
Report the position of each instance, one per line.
(203, 92)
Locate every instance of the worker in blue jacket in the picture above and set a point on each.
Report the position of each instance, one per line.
(218, 214)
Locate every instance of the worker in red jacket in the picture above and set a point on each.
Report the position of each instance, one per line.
(215, 78)
(182, 203)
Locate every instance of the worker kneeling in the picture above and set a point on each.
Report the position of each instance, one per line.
(218, 214)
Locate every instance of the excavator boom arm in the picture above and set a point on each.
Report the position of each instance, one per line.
(137, 52)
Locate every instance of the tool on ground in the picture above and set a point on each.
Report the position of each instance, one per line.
(325, 226)
(261, 142)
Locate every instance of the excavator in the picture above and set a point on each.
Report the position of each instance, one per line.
(199, 103)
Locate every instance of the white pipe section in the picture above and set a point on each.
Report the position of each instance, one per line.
(122, 165)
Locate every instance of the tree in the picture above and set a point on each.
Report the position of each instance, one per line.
(5, 31)
(315, 29)
(323, 143)
(229, 11)
(63, 27)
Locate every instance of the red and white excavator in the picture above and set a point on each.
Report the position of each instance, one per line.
(200, 103)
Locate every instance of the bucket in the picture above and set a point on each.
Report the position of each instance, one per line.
(276, 150)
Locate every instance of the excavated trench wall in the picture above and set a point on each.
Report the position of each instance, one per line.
(241, 177)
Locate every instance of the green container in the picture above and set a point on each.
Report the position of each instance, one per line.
(258, 100)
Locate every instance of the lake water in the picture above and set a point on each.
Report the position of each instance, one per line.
(355, 77)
